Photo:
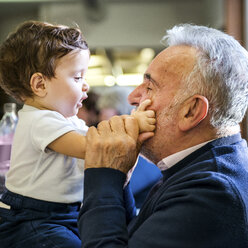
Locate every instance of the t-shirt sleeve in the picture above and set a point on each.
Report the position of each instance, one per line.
(47, 127)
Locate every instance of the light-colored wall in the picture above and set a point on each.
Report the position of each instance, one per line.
(123, 23)
(135, 23)
(12, 15)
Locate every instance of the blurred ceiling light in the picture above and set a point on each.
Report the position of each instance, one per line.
(141, 68)
(100, 80)
(96, 60)
(95, 80)
(129, 79)
(95, 71)
(147, 54)
(109, 80)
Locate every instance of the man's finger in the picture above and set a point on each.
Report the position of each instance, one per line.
(104, 128)
(117, 124)
(132, 127)
(124, 116)
(144, 105)
(92, 132)
(144, 136)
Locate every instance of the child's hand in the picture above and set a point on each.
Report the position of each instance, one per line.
(146, 118)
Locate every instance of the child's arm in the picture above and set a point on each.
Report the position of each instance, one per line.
(72, 144)
(146, 118)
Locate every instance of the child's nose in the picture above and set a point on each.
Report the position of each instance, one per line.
(85, 87)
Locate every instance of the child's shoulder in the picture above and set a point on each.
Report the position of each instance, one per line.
(78, 123)
(40, 113)
(34, 115)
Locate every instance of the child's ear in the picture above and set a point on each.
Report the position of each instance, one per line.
(193, 111)
(38, 84)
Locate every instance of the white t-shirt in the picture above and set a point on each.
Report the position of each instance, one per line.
(35, 170)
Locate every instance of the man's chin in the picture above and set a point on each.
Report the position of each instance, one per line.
(147, 153)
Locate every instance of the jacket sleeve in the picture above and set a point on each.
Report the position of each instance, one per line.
(198, 211)
(103, 216)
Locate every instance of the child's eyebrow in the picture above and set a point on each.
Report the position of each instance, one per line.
(80, 70)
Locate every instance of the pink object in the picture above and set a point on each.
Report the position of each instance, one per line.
(4, 167)
(7, 129)
(5, 150)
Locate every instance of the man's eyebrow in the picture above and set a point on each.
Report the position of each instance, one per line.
(148, 77)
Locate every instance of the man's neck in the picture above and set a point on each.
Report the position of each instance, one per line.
(200, 136)
(171, 160)
(227, 131)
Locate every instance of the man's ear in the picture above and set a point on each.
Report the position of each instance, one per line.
(38, 84)
(193, 111)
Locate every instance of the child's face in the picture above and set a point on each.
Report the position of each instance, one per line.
(67, 90)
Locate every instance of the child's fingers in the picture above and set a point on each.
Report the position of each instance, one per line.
(151, 121)
(144, 105)
(150, 128)
(147, 128)
(150, 113)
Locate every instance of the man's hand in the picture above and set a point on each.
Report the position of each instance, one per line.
(112, 144)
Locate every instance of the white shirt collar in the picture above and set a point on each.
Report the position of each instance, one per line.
(171, 160)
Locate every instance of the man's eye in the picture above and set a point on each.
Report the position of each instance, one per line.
(148, 86)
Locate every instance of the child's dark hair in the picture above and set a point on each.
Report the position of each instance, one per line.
(34, 47)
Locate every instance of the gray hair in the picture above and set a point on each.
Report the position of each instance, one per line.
(220, 73)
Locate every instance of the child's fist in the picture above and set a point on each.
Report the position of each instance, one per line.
(146, 118)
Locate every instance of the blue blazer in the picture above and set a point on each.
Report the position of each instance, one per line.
(201, 202)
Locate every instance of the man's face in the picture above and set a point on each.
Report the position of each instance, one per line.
(162, 80)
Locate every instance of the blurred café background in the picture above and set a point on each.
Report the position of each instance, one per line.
(124, 35)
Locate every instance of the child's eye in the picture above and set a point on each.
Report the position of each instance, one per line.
(148, 88)
(77, 79)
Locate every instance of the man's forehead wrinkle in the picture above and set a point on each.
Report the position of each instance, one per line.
(179, 62)
(179, 52)
(179, 58)
(181, 49)
(184, 54)
(174, 63)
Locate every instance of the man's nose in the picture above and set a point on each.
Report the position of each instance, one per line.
(135, 96)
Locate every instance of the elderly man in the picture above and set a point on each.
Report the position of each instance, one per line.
(199, 91)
